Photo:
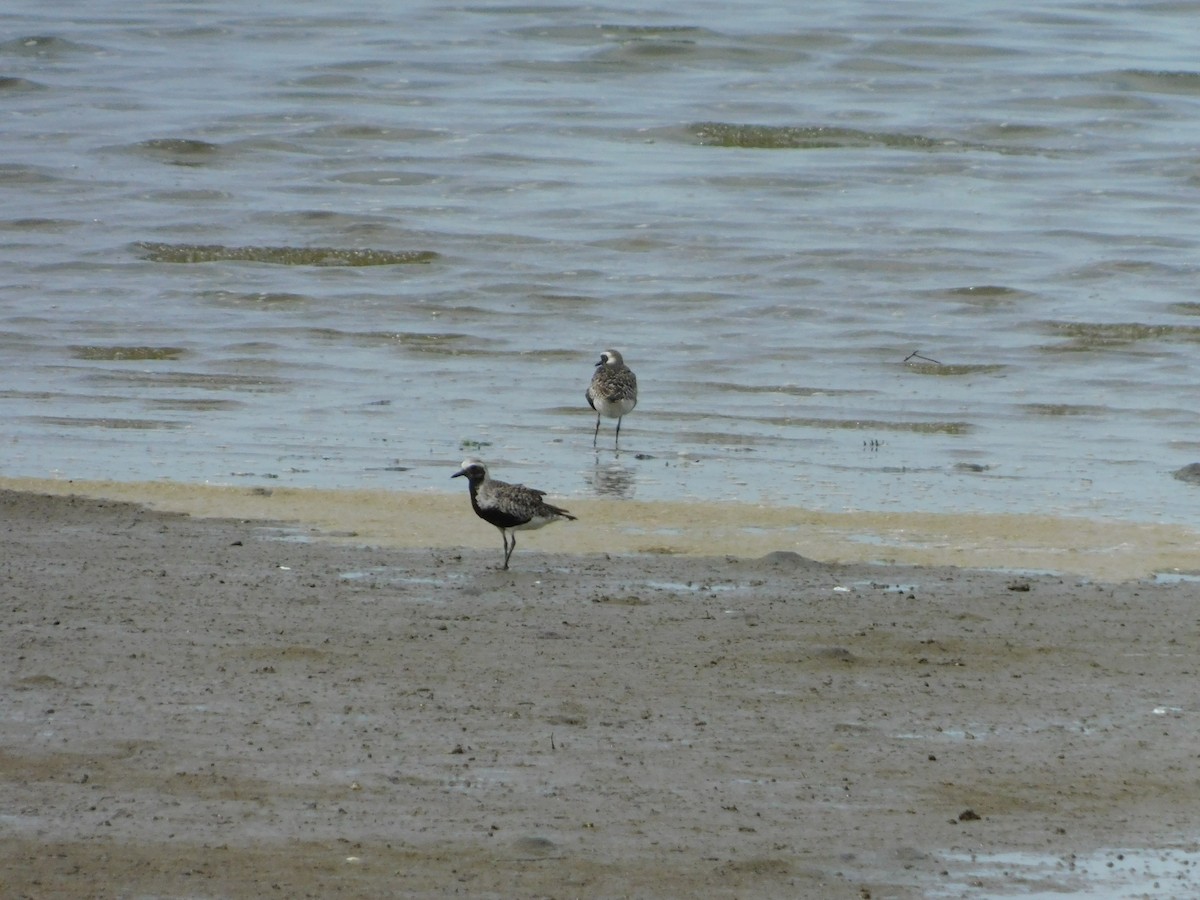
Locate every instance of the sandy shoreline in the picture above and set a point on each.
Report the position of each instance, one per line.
(1102, 550)
(208, 707)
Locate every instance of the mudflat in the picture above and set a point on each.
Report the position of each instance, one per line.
(222, 707)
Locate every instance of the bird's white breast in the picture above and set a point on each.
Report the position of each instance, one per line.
(614, 409)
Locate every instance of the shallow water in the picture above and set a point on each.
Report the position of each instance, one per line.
(318, 247)
(1125, 873)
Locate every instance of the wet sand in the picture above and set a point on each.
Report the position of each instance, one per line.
(294, 700)
(1097, 549)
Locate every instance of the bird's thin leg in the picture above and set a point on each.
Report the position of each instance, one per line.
(509, 546)
(507, 552)
(617, 440)
(596, 434)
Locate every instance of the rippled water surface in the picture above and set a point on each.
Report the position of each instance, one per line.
(347, 245)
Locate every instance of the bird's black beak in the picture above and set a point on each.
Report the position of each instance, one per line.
(459, 472)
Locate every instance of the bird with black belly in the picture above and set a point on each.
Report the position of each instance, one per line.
(510, 507)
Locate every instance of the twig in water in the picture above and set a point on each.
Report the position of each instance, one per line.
(916, 354)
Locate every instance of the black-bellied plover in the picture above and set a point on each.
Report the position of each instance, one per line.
(613, 391)
(510, 507)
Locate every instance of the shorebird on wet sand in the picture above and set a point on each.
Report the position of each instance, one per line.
(510, 507)
(613, 391)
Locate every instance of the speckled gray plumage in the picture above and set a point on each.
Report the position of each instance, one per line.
(510, 507)
(613, 390)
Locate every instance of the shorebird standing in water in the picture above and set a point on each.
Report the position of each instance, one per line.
(613, 391)
(510, 507)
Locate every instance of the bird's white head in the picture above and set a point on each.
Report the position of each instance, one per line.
(610, 358)
(474, 470)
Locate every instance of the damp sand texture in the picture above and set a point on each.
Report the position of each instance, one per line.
(214, 708)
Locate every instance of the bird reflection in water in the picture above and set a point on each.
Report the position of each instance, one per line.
(611, 479)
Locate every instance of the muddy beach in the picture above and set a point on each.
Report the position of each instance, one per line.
(237, 707)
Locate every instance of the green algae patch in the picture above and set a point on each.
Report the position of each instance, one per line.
(118, 354)
(811, 137)
(282, 256)
(185, 146)
(108, 422)
(952, 369)
(1097, 335)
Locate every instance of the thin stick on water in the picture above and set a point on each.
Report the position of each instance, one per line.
(916, 354)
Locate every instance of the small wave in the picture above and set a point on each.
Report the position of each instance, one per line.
(868, 425)
(38, 224)
(829, 137)
(370, 132)
(984, 296)
(438, 344)
(195, 404)
(1161, 82)
(282, 256)
(256, 298)
(595, 33)
(191, 152)
(17, 174)
(44, 45)
(11, 83)
(257, 384)
(791, 390)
